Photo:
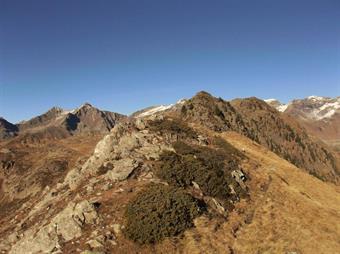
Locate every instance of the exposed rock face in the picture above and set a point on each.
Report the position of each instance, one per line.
(66, 225)
(88, 118)
(7, 129)
(114, 159)
(41, 120)
(118, 154)
(262, 123)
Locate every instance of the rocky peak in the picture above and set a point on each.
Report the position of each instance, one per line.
(41, 120)
(57, 122)
(89, 118)
(257, 120)
(55, 110)
(253, 103)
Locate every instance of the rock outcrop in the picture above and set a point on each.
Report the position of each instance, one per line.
(65, 226)
(118, 154)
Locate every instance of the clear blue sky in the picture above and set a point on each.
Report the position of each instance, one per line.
(126, 55)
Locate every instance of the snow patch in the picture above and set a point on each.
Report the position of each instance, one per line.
(271, 100)
(325, 109)
(316, 98)
(160, 108)
(334, 105)
(276, 104)
(155, 110)
(282, 107)
(329, 113)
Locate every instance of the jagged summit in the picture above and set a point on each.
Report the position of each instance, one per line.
(58, 123)
(55, 109)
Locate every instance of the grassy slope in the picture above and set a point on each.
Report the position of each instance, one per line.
(289, 211)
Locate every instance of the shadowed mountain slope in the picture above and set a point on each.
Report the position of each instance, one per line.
(7, 129)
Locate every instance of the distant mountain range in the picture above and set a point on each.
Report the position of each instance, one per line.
(311, 108)
(319, 115)
(58, 123)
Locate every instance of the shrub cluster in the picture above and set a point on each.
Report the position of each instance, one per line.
(158, 212)
(172, 126)
(203, 165)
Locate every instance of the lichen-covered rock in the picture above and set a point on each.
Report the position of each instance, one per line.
(45, 241)
(113, 154)
(85, 213)
(67, 224)
(122, 169)
(94, 244)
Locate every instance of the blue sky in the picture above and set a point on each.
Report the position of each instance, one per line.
(126, 55)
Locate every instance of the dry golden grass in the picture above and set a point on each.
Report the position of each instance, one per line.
(289, 211)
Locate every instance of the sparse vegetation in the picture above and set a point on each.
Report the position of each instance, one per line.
(228, 149)
(172, 127)
(160, 211)
(203, 165)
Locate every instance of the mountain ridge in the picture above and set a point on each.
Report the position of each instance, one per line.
(320, 116)
(87, 207)
(257, 120)
(57, 122)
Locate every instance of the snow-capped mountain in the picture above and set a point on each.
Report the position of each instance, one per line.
(310, 108)
(277, 104)
(319, 115)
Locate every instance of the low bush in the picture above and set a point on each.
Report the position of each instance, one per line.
(160, 211)
(205, 167)
(172, 126)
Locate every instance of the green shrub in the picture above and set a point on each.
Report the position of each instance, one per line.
(160, 211)
(205, 167)
(174, 126)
